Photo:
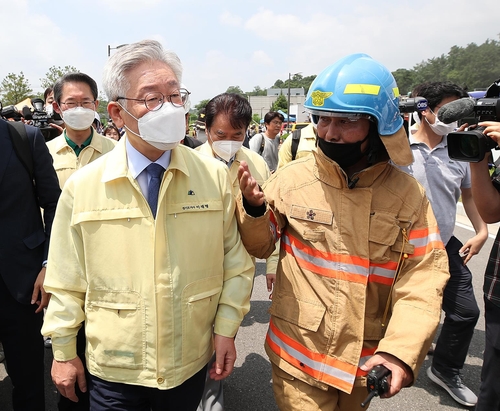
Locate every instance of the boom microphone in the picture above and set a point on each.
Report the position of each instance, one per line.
(455, 110)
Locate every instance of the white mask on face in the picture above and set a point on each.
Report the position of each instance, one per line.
(163, 129)
(78, 118)
(440, 128)
(226, 149)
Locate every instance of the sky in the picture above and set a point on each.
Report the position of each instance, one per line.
(224, 43)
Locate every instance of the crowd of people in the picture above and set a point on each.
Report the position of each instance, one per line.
(354, 217)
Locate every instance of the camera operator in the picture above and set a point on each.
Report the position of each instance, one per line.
(486, 194)
(445, 180)
(48, 98)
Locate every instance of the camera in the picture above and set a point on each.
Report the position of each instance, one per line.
(11, 113)
(472, 145)
(409, 105)
(41, 119)
(37, 117)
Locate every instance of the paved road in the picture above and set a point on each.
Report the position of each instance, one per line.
(249, 387)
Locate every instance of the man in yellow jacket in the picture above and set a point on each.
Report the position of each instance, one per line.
(362, 267)
(153, 311)
(75, 99)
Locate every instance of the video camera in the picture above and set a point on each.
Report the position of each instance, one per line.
(412, 104)
(472, 145)
(41, 119)
(10, 113)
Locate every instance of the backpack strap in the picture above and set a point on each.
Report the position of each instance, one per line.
(295, 143)
(21, 145)
(262, 144)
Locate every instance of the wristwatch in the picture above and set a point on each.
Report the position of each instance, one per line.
(44, 264)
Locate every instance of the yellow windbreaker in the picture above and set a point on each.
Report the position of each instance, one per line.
(151, 292)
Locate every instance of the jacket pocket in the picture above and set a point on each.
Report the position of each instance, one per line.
(199, 306)
(305, 314)
(35, 239)
(384, 232)
(115, 329)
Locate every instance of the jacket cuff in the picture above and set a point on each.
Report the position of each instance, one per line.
(64, 352)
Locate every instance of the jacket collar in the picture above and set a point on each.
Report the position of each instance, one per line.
(117, 166)
(330, 172)
(96, 142)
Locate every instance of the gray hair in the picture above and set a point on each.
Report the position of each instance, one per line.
(114, 80)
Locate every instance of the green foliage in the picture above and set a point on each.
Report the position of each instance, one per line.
(54, 74)
(202, 104)
(472, 67)
(281, 103)
(256, 118)
(14, 88)
(193, 117)
(102, 109)
(236, 90)
(296, 81)
(257, 91)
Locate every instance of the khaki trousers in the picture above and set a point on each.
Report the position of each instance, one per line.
(292, 394)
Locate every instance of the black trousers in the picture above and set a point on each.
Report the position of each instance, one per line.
(461, 315)
(489, 391)
(112, 396)
(23, 347)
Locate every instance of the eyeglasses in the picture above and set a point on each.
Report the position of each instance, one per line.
(154, 101)
(277, 123)
(85, 104)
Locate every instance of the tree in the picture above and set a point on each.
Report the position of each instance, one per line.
(404, 80)
(281, 103)
(257, 91)
(14, 88)
(201, 105)
(236, 90)
(55, 73)
(256, 118)
(102, 110)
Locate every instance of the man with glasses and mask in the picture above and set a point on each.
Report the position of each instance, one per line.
(267, 143)
(124, 226)
(362, 267)
(75, 99)
(445, 182)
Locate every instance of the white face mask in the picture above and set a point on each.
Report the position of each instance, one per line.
(440, 128)
(226, 149)
(78, 118)
(163, 129)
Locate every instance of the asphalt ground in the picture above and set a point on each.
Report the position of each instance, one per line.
(249, 387)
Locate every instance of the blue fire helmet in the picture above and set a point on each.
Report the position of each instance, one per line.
(358, 86)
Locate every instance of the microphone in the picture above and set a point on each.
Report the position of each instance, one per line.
(455, 110)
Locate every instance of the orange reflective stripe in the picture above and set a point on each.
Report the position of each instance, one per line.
(319, 366)
(339, 266)
(366, 353)
(425, 240)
